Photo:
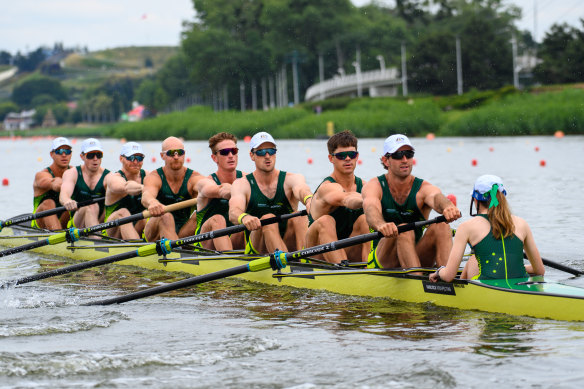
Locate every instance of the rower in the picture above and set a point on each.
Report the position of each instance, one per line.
(265, 193)
(167, 185)
(399, 197)
(497, 237)
(47, 186)
(214, 193)
(124, 192)
(336, 211)
(85, 182)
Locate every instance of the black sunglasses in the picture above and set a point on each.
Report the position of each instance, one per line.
(171, 153)
(263, 152)
(225, 152)
(94, 154)
(63, 151)
(133, 158)
(400, 154)
(344, 154)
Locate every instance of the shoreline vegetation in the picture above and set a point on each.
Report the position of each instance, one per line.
(504, 112)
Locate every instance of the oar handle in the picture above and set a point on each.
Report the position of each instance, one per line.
(138, 216)
(173, 207)
(48, 212)
(231, 230)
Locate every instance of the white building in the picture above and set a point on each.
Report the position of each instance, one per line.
(19, 121)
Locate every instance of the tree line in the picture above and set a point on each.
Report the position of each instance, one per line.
(233, 45)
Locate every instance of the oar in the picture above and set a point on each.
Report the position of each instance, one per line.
(277, 260)
(73, 234)
(161, 247)
(33, 216)
(559, 266)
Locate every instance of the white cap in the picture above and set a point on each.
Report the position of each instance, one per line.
(131, 148)
(394, 142)
(90, 144)
(485, 183)
(60, 141)
(260, 138)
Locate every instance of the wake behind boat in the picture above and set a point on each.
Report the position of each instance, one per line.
(527, 296)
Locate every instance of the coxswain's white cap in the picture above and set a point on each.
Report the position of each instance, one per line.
(60, 141)
(260, 138)
(484, 184)
(90, 144)
(394, 142)
(131, 148)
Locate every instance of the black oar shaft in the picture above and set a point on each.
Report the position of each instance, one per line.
(28, 246)
(172, 286)
(558, 266)
(74, 268)
(48, 212)
(261, 264)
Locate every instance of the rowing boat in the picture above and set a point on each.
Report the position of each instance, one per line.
(529, 297)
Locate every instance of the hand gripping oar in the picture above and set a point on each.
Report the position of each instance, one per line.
(559, 266)
(277, 260)
(73, 234)
(33, 216)
(161, 247)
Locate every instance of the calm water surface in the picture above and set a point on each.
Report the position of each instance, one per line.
(236, 334)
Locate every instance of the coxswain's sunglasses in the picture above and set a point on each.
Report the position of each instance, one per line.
(133, 158)
(62, 151)
(225, 152)
(94, 154)
(409, 154)
(171, 153)
(341, 156)
(263, 152)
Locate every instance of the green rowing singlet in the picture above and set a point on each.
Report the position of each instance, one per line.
(407, 212)
(259, 205)
(499, 258)
(83, 193)
(132, 203)
(48, 195)
(166, 197)
(215, 206)
(344, 217)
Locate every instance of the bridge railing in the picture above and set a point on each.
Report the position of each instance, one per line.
(340, 84)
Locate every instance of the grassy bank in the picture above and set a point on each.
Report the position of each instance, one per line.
(503, 112)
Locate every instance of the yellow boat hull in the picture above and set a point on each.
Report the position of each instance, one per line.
(533, 297)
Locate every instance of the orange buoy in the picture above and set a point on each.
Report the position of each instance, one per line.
(430, 136)
(542, 162)
(246, 138)
(474, 162)
(360, 162)
(491, 149)
(414, 161)
(559, 134)
(5, 182)
(536, 148)
(309, 160)
(153, 159)
(188, 160)
(452, 198)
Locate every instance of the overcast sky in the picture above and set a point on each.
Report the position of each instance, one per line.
(99, 24)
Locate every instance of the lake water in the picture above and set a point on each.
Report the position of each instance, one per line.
(236, 334)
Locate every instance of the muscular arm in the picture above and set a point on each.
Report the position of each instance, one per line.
(192, 184)
(434, 199)
(67, 188)
(334, 195)
(372, 208)
(43, 182)
(152, 185)
(209, 189)
(240, 192)
(297, 184)
(116, 184)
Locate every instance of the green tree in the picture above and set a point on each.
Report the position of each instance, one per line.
(151, 95)
(6, 108)
(24, 93)
(562, 51)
